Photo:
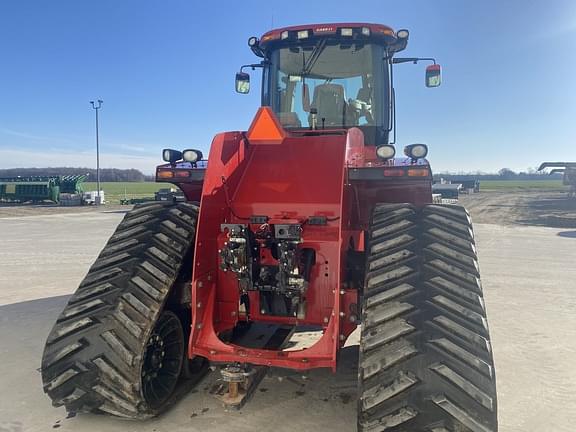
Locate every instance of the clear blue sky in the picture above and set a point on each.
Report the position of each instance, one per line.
(165, 70)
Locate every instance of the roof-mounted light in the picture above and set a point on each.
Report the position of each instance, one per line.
(284, 35)
(402, 34)
(253, 41)
(302, 34)
(366, 31)
(346, 32)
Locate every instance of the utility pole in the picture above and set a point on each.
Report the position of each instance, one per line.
(96, 108)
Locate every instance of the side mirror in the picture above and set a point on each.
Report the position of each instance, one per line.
(433, 75)
(242, 82)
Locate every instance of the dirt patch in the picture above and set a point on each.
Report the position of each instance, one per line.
(541, 208)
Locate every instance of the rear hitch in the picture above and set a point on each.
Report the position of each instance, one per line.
(237, 384)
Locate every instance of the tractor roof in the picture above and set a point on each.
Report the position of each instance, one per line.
(330, 29)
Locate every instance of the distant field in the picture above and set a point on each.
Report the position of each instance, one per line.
(486, 185)
(115, 191)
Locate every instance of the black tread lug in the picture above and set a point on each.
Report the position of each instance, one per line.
(425, 357)
(91, 360)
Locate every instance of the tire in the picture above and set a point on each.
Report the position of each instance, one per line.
(425, 357)
(95, 358)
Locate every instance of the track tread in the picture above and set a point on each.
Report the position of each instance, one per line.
(93, 354)
(425, 356)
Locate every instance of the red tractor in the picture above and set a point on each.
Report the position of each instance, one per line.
(306, 221)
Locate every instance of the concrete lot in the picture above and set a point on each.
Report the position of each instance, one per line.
(529, 279)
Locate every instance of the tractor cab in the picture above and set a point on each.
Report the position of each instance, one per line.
(335, 76)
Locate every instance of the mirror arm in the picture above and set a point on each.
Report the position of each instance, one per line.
(262, 64)
(413, 60)
(392, 118)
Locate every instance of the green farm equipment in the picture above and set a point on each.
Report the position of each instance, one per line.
(39, 188)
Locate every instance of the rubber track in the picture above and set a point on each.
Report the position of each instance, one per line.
(425, 356)
(93, 354)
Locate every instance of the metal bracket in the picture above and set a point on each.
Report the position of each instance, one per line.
(238, 384)
(232, 228)
(288, 231)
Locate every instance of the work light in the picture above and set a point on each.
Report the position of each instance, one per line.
(416, 151)
(171, 156)
(191, 155)
(253, 41)
(385, 151)
(402, 34)
(302, 34)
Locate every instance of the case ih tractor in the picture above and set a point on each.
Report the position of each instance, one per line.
(306, 221)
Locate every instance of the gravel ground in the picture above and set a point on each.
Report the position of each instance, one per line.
(530, 291)
(19, 210)
(521, 207)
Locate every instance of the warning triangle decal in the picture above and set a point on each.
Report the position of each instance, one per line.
(265, 128)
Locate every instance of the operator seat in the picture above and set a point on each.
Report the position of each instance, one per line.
(330, 102)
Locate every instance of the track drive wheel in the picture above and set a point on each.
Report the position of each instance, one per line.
(425, 356)
(119, 345)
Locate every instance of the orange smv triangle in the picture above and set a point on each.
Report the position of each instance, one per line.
(265, 128)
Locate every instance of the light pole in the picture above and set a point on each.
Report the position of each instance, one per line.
(96, 108)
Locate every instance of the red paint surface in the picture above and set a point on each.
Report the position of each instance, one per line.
(289, 180)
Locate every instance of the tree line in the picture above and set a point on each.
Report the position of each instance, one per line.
(106, 174)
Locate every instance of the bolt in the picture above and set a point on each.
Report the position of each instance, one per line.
(199, 284)
(342, 337)
(342, 292)
(263, 312)
(199, 325)
(212, 352)
(199, 305)
(325, 319)
(342, 314)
